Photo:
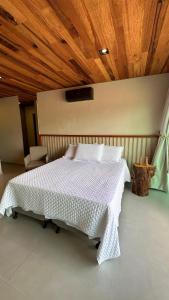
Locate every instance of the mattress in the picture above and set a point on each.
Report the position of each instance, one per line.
(86, 195)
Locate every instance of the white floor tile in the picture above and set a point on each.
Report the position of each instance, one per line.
(8, 292)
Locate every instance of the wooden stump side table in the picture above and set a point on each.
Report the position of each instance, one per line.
(141, 177)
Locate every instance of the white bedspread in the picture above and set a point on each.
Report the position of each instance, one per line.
(86, 195)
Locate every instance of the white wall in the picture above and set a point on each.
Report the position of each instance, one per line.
(131, 106)
(11, 143)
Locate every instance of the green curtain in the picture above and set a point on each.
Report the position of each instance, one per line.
(160, 180)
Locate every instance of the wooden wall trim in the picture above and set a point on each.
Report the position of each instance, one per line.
(102, 135)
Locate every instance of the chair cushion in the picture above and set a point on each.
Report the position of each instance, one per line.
(34, 164)
(38, 152)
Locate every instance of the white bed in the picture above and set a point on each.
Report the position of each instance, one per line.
(85, 195)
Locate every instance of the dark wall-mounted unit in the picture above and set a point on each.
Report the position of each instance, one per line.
(79, 94)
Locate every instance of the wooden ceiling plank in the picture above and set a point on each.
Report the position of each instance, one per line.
(104, 72)
(133, 20)
(165, 68)
(38, 22)
(161, 44)
(117, 21)
(78, 23)
(4, 93)
(48, 55)
(156, 29)
(29, 14)
(26, 59)
(150, 9)
(11, 9)
(16, 83)
(100, 18)
(50, 44)
(38, 49)
(23, 70)
(14, 89)
(52, 22)
(6, 71)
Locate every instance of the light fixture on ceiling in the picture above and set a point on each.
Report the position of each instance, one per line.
(103, 51)
(1, 77)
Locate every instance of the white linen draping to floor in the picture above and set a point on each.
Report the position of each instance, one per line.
(86, 195)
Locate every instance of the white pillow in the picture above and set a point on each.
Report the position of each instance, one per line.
(112, 153)
(70, 152)
(89, 152)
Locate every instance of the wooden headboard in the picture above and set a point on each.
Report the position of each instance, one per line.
(136, 147)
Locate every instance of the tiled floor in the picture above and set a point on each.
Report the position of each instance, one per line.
(38, 264)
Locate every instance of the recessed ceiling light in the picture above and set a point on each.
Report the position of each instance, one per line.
(103, 51)
(0, 77)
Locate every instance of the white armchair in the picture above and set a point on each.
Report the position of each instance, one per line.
(37, 157)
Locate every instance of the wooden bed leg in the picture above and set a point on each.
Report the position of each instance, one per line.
(57, 230)
(14, 215)
(97, 245)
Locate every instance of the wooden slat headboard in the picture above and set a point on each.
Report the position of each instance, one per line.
(136, 147)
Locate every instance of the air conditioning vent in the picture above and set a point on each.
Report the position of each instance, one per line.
(79, 94)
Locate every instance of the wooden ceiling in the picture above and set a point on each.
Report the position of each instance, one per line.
(51, 44)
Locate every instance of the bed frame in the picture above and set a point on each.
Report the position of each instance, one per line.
(136, 149)
(44, 222)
